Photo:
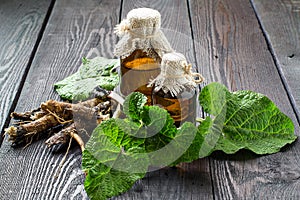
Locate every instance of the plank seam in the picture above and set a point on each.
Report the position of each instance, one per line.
(27, 68)
(192, 32)
(120, 16)
(277, 64)
(193, 39)
(120, 12)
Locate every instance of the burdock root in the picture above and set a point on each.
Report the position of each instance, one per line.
(61, 120)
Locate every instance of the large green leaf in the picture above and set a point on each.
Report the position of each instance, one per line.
(95, 72)
(121, 150)
(159, 126)
(187, 144)
(103, 181)
(165, 143)
(111, 144)
(113, 159)
(245, 119)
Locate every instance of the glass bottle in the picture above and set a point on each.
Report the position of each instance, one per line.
(140, 49)
(182, 108)
(175, 88)
(136, 71)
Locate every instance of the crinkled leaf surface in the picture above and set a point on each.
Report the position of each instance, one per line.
(186, 144)
(103, 181)
(113, 160)
(245, 119)
(98, 71)
(134, 105)
(110, 143)
(165, 143)
(120, 150)
(160, 127)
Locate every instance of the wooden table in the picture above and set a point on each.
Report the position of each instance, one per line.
(253, 45)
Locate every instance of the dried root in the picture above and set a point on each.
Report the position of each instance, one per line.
(28, 116)
(74, 121)
(24, 133)
(63, 136)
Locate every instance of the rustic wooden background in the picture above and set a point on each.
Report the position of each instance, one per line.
(244, 44)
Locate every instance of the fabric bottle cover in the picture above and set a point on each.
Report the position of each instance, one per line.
(141, 30)
(175, 75)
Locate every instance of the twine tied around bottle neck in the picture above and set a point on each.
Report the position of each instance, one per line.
(188, 72)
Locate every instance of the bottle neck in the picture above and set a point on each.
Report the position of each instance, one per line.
(186, 93)
(139, 53)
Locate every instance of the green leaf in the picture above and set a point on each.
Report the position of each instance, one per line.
(210, 130)
(103, 181)
(159, 126)
(133, 105)
(164, 143)
(94, 72)
(187, 143)
(121, 150)
(112, 145)
(113, 159)
(213, 98)
(244, 120)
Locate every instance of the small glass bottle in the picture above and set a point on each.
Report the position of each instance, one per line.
(140, 49)
(175, 88)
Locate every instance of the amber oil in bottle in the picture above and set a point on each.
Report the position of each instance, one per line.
(140, 49)
(136, 71)
(175, 88)
(182, 108)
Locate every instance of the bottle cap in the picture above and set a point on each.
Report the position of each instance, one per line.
(141, 30)
(144, 22)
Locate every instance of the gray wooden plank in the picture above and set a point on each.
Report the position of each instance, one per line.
(280, 20)
(189, 181)
(233, 51)
(19, 21)
(75, 29)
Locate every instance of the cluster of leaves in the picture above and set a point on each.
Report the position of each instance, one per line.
(98, 71)
(121, 150)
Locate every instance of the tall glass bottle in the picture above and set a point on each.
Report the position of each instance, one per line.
(175, 88)
(140, 49)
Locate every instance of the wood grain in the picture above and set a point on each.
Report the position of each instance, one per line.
(20, 24)
(230, 48)
(280, 20)
(233, 51)
(75, 29)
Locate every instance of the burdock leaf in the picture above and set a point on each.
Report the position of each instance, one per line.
(94, 72)
(113, 159)
(245, 120)
(159, 126)
(186, 144)
(134, 105)
(103, 181)
(112, 141)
